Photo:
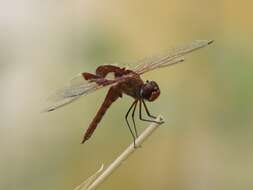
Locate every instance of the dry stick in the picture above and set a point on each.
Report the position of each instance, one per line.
(119, 160)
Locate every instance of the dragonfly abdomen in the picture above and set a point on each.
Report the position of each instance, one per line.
(112, 95)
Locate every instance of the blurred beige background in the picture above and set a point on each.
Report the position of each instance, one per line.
(206, 142)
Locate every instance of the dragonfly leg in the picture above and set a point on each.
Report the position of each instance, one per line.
(147, 111)
(135, 129)
(147, 120)
(126, 116)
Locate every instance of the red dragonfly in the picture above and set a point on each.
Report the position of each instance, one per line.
(125, 81)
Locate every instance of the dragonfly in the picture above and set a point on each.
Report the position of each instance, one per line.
(125, 81)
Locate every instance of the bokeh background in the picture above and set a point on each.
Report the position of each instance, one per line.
(206, 142)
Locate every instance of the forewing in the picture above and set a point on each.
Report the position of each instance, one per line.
(76, 88)
(171, 58)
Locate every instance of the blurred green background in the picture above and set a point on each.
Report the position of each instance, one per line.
(206, 142)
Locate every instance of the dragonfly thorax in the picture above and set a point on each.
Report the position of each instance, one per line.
(150, 91)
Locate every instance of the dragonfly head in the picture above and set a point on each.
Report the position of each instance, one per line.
(150, 91)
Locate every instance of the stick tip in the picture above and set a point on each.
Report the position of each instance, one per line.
(210, 42)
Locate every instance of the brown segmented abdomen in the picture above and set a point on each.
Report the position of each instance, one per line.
(112, 95)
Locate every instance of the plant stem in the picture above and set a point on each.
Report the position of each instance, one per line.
(119, 160)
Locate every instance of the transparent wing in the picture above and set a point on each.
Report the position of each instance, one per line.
(171, 58)
(76, 88)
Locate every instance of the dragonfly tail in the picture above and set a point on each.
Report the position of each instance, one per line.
(112, 95)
